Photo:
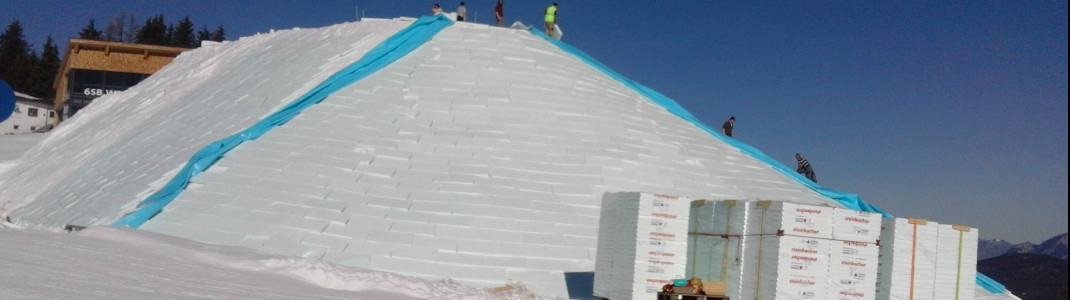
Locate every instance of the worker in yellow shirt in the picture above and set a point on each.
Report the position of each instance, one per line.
(551, 19)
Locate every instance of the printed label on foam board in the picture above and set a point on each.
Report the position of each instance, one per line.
(852, 294)
(771, 217)
(853, 225)
(665, 236)
(655, 202)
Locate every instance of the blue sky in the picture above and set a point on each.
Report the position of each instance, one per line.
(952, 111)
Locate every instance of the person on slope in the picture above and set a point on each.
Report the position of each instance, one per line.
(499, 13)
(462, 12)
(805, 168)
(726, 128)
(436, 9)
(551, 19)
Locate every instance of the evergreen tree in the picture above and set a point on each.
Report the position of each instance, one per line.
(218, 34)
(90, 32)
(183, 34)
(16, 58)
(170, 35)
(47, 67)
(204, 35)
(154, 32)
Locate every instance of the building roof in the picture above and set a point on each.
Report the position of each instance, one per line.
(25, 96)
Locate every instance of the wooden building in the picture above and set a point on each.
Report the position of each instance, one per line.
(91, 69)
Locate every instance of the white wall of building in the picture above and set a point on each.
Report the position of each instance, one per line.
(29, 115)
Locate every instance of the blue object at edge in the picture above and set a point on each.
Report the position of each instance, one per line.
(7, 100)
(848, 200)
(390, 50)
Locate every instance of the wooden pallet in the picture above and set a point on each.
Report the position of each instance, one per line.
(675, 296)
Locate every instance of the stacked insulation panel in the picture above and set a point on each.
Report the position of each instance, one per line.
(956, 262)
(642, 244)
(785, 251)
(853, 261)
(908, 256)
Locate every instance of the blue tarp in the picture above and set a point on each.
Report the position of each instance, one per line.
(390, 50)
(848, 200)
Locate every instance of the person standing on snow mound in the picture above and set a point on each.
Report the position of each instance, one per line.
(499, 13)
(726, 128)
(436, 9)
(462, 13)
(805, 168)
(551, 19)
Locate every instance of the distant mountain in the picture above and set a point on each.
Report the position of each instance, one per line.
(1054, 247)
(1023, 248)
(1029, 276)
(991, 248)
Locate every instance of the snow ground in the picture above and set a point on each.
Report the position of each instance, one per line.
(13, 146)
(123, 263)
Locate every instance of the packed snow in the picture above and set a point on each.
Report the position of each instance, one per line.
(122, 263)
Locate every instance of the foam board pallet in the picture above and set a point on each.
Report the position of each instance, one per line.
(852, 273)
(907, 262)
(642, 244)
(956, 262)
(783, 267)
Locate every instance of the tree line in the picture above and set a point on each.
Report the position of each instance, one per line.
(30, 72)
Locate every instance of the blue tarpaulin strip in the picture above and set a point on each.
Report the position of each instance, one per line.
(389, 51)
(848, 200)
(990, 284)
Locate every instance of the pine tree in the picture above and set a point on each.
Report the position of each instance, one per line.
(170, 36)
(90, 32)
(204, 35)
(183, 35)
(154, 32)
(47, 67)
(218, 34)
(16, 58)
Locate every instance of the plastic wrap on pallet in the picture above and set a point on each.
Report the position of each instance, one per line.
(714, 241)
(907, 263)
(956, 264)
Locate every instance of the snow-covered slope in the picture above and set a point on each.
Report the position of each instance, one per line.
(122, 263)
(481, 156)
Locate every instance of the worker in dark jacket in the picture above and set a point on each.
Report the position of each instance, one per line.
(726, 128)
(805, 168)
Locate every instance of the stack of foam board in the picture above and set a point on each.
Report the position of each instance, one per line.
(785, 251)
(853, 261)
(907, 262)
(713, 240)
(642, 244)
(956, 262)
